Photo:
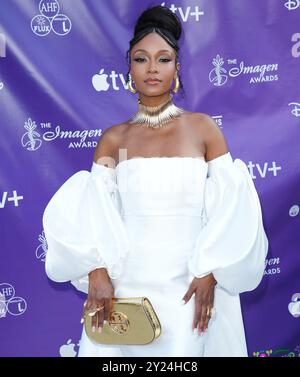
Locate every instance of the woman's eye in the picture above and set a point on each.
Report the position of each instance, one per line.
(139, 59)
(162, 59)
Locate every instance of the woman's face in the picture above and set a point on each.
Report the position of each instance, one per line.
(153, 57)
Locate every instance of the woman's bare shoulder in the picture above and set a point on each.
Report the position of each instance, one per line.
(197, 116)
(115, 130)
(108, 144)
(202, 122)
(208, 130)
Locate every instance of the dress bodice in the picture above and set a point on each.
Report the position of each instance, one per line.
(161, 185)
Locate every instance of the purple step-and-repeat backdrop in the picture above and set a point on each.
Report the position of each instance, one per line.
(63, 82)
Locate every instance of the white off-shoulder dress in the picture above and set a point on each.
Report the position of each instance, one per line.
(155, 223)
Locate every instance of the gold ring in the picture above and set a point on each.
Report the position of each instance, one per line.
(210, 312)
(92, 312)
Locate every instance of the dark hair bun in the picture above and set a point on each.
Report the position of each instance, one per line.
(161, 17)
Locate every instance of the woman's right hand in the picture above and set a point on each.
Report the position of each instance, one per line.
(100, 294)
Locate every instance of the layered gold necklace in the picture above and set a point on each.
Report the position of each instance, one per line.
(156, 116)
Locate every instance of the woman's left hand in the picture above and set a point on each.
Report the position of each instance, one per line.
(204, 289)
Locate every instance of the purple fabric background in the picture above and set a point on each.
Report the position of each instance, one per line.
(240, 64)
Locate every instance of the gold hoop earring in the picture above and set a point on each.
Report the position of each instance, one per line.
(176, 86)
(130, 87)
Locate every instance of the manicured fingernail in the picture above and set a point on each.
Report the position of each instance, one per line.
(91, 314)
(93, 328)
(82, 320)
(182, 302)
(201, 333)
(195, 330)
(99, 329)
(104, 322)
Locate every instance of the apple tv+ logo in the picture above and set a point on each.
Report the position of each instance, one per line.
(68, 349)
(101, 83)
(294, 305)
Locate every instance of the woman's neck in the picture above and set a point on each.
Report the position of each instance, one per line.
(154, 101)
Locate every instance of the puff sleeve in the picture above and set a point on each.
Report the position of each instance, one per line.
(84, 229)
(232, 243)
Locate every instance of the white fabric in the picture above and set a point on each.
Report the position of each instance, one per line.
(145, 221)
(232, 240)
(83, 228)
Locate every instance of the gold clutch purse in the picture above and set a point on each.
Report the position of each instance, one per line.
(132, 321)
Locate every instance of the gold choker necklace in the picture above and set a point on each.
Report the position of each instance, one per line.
(156, 116)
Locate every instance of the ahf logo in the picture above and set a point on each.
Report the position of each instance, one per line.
(292, 4)
(9, 303)
(50, 19)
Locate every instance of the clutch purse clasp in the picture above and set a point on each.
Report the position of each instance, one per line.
(133, 320)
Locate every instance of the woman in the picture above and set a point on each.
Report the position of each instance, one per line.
(123, 231)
